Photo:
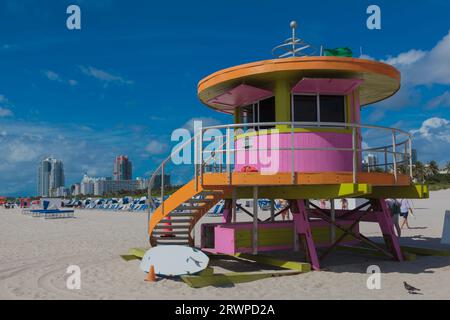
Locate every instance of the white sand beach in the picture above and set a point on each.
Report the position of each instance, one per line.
(34, 255)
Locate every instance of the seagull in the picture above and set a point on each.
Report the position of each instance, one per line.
(410, 288)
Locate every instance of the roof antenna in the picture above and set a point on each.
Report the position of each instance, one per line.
(293, 47)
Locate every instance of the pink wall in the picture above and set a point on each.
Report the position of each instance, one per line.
(305, 160)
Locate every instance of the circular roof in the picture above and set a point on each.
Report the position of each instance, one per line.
(380, 80)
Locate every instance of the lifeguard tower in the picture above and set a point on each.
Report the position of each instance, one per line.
(297, 135)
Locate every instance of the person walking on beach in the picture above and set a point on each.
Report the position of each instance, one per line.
(285, 213)
(344, 204)
(405, 209)
(394, 207)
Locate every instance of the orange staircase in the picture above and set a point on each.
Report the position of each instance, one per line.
(174, 220)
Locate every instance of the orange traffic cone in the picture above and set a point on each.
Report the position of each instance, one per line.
(168, 235)
(151, 274)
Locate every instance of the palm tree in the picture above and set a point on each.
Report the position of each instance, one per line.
(447, 167)
(419, 171)
(432, 168)
(403, 168)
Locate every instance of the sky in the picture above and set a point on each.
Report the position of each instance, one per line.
(128, 78)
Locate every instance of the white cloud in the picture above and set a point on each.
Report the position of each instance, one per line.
(367, 57)
(425, 67)
(406, 58)
(104, 76)
(419, 68)
(53, 76)
(432, 140)
(5, 107)
(440, 101)
(205, 122)
(434, 129)
(4, 112)
(156, 148)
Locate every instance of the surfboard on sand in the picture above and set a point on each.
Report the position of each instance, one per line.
(174, 260)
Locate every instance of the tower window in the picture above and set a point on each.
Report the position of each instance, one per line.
(318, 108)
(332, 108)
(262, 111)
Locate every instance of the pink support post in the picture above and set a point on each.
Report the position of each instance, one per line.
(227, 212)
(387, 227)
(303, 229)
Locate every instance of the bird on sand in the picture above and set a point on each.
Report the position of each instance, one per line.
(410, 288)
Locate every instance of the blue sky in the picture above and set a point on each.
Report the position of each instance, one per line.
(128, 78)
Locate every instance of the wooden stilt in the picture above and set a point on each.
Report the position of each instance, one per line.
(233, 204)
(227, 211)
(303, 229)
(387, 227)
(333, 218)
(272, 210)
(255, 221)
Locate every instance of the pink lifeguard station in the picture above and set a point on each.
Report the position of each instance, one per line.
(297, 135)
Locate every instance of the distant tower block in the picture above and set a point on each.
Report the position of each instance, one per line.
(122, 168)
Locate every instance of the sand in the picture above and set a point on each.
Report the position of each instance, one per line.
(35, 253)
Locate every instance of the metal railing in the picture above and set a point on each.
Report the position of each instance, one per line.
(399, 150)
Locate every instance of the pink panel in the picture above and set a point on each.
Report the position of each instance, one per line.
(274, 161)
(326, 86)
(224, 240)
(241, 95)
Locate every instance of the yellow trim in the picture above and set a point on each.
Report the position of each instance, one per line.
(282, 102)
(322, 191)
(288, 130)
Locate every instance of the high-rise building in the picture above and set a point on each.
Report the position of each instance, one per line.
(50, 176)
(57, 178)
(43, 186)
(413, 156)
(122, 168)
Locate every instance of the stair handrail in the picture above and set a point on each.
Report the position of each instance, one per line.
(160, 168)
(354, 126)
(293, 125)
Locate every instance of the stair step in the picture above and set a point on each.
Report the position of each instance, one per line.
(161, 231)
(160, 226)
(186, 208)
(181, 243)
(210, 192)
(176, 220)
(198, 200)
(160, 237)
(180, 214)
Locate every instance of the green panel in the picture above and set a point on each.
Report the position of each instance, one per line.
(418, 191)
(408, 256)
(283, 236)
(323, 191)
(322, 234)
(291, 265)
(427, 251)
(127, 257)
(137, 252)
(266, 237)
